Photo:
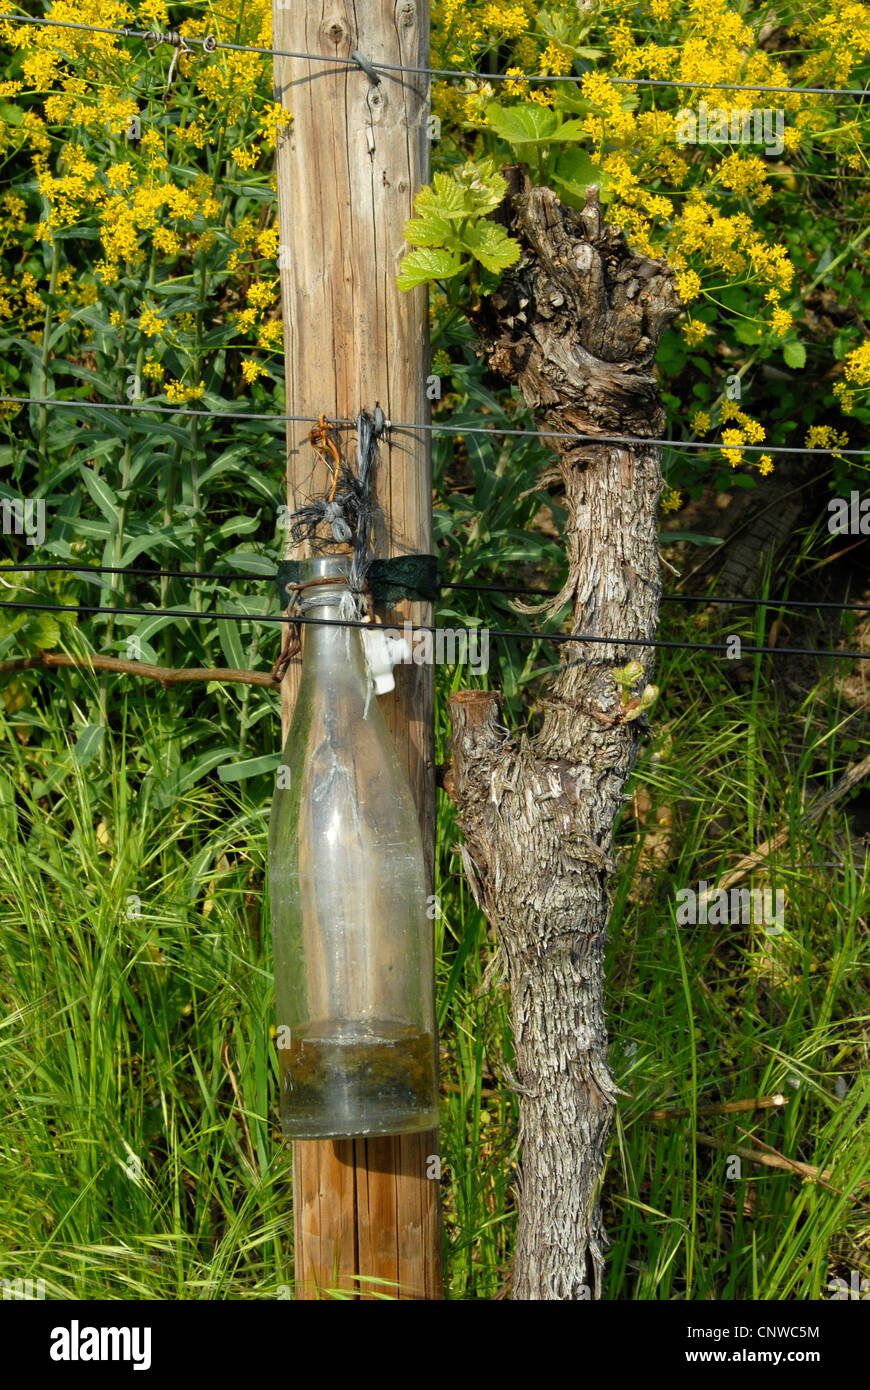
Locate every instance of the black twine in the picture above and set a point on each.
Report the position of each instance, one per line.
(350, 510)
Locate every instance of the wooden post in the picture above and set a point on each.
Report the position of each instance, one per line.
(348, 168)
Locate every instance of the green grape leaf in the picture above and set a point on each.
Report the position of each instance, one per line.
(430, 229)
(427, 264)
(443, 198)
(490, 244)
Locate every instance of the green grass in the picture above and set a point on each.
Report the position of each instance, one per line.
(141, 1149)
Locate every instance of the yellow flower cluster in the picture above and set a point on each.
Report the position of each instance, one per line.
(262, 313)
(150, 324)
(780, 321)
(694, 332)
(555, 61)
(754, 430)
(746, 175)
(688, 285)
(856, 369)
(106, 157)
(268, 242)
(839, 39)
(460, 28)
(251, 370)
(517, 86)
(146, 194)
(246, 156)
(640, 150)
(825, 437)
(743, 430)
(507, 21)
(177, 393)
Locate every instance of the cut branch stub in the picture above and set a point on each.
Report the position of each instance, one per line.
(575, 326)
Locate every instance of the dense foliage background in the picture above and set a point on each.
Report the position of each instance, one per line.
(138, 246)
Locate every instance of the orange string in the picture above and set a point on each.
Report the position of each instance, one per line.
(321, 439)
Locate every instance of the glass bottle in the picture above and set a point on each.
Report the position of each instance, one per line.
(354, 975)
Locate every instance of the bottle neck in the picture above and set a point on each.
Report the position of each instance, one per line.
(326, 639)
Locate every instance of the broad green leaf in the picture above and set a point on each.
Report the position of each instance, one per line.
(43, 630)
(237, 526)
(427, 264)
(253, 481)
(430, 229)
(200, 864)
(562, 28)
(96, 379)
(491, 245)
(77, 315)
(443, 198)
(572, 130)
(794, 354)
(92, 530)
(146, 628)
(523, 125)
(56, 775)
(575, 171)
(106, 421)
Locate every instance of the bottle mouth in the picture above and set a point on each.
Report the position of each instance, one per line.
(325, 566)
(333, 570)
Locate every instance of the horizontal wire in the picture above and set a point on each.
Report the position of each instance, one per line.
(135, 572)
(501, 633)
(711, 447)
(209, 42)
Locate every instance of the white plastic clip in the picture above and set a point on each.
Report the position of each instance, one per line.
(383, 651)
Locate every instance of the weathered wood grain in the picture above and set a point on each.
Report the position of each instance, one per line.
(348, 168)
